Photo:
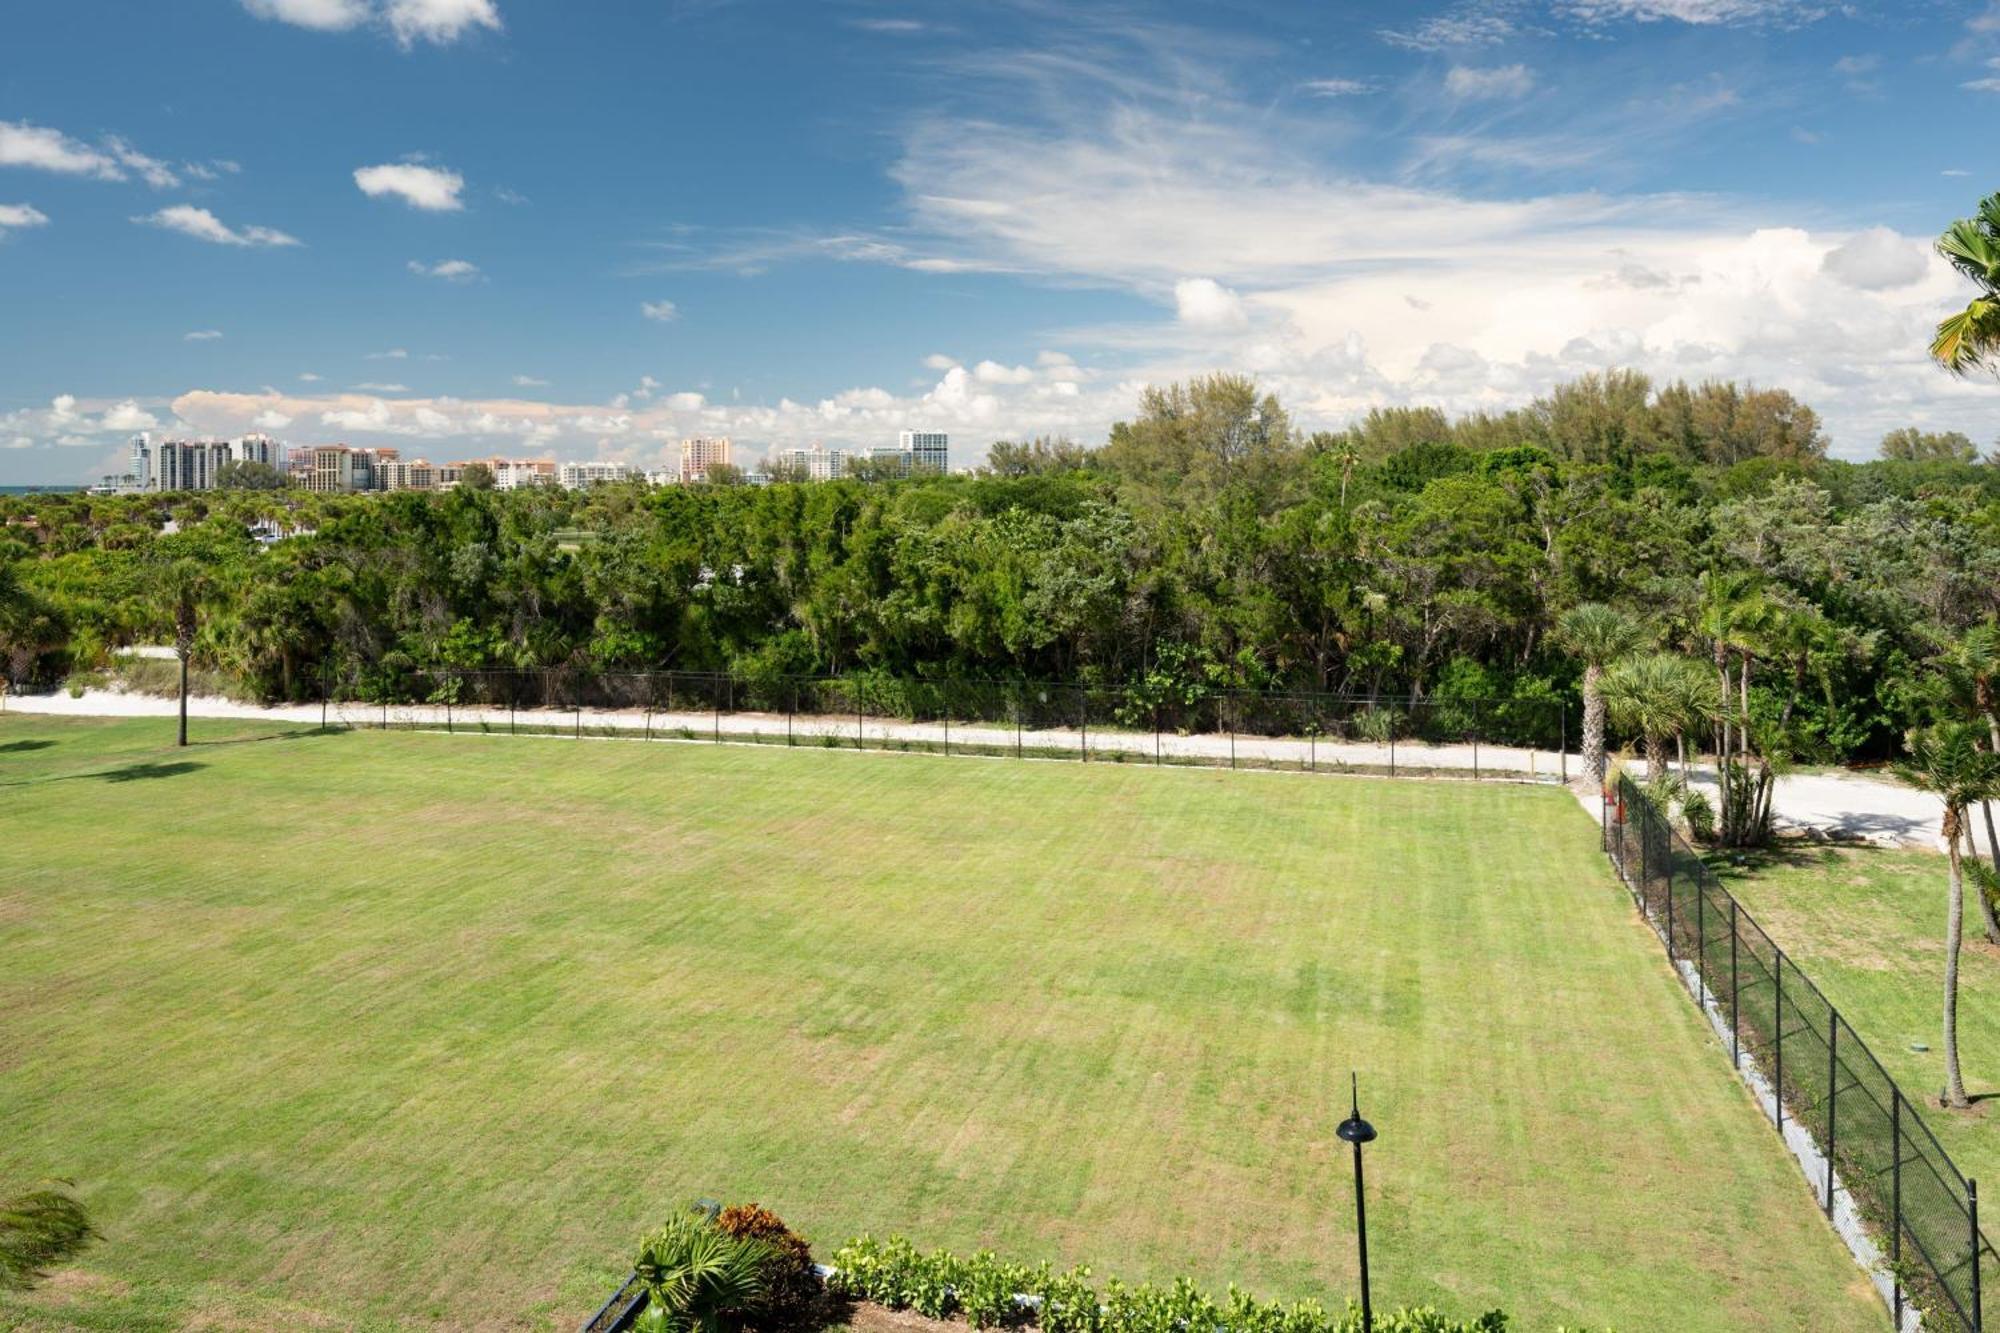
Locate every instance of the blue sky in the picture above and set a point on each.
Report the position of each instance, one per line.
(586, 229)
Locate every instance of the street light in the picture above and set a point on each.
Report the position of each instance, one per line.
(1357, 1131)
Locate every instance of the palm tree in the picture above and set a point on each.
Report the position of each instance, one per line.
(186, 587)
(39, 1229)
(1968, 340)
(1946, 760)
(696, 1273)
(1600, 635)
(1658, 695)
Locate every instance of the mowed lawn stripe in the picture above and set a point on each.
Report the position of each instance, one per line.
(404, 1030)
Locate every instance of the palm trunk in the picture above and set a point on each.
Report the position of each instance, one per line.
(1656, 757)
(1593, 724)
(1986, 914)
(1954, 933)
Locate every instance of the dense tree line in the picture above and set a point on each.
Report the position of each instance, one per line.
(1207, 541)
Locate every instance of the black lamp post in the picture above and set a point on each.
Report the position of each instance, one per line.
(1357, 1131)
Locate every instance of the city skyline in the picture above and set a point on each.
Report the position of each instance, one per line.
(470, 227)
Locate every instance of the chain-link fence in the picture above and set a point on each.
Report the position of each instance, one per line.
(1879, 1172)
(1448, 737)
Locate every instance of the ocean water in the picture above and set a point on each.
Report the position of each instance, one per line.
(39, 490)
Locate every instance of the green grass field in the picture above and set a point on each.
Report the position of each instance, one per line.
(1867, 926)
(403, 1030)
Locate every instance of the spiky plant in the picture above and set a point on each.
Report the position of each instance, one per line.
(39, 1229)
(696, 1274)
(1968, 340)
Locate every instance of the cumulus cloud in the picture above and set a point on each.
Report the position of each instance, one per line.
(1877, 260)
(992, 372)
(128, 416)
(431, 189)
(939, 361)
(666, 312)
(205, 226)
(320, 15)
(408, 21)
(1204, 303)
(439, 21)
(17, 216)
(451, 270)
(1504, 81)
(201, 336)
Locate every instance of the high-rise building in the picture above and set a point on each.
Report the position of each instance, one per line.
(260, 449)
(142, 462)
(190, 465)
(929, 450)
(700, 454)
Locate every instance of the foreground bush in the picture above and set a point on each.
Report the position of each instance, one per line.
(39, 1229)
(698, 1276)
(982, 1288)
(792, 1290)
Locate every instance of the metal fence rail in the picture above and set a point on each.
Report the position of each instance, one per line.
(1233, 728)
(1874, 1159)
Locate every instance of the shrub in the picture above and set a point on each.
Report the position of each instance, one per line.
(1700, 816)
(792, 1288)
(696, 1274)
(39, 1229)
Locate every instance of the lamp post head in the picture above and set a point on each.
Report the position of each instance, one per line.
(1354, 1129)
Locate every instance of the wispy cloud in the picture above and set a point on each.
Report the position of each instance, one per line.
(17, 216)
(450, 270)
(665, 312)
(439, 22)
(201, 336)
(1337, 87)
(1503, 81)
(203, 225)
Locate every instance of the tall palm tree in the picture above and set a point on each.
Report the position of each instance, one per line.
(1969, 339)
(1947, 760)
(1599, 635)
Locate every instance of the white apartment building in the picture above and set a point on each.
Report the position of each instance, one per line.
(511, 474)
(818, 463)
(142, 462)
(577, 476)
(701, 453)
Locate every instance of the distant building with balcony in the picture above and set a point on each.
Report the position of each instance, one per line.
(701, 453)
(925, 450)
(815, 464)
(579, 476)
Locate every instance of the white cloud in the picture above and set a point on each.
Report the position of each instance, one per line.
(393, 354)
(151, 170)
(1337, 87)
(128, 416)
(664, 311)
(201, 336)
(371, 387)
(14, 216)
(1954, 171)
(205, 226)
(647, 387)
(271, 420)
(1502, 81)
(432, 189)
(307, 377)
(1877, 260)
(529, 382)
(439, 21)
(451, 270)
(939, 361)
(408, 21)
(992, 372)
(320, 15)
(1204, 303)
(43, 149)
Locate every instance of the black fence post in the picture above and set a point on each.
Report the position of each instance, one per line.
(1083, 718)
(1392, 748)
(1700, 930)
(1735, 994)
(1475, 756)
(715, 697)
(511, 692)
(1778, 1041)
(1972, 1207)
(857, 714)
(1562, 738)
(1156, 735)
(1670, 893)
(791, 707)
(1896, 1201)
(385, 713)
(1832, 1101)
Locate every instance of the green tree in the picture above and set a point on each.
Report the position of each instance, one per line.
(1911, 445)
(1968, 340)
(475, 477)
(1597, 635)
(1947, 761)
(1659, 696)
(1191, 441)
(186, 586)
(39, 1228)
(246, 475)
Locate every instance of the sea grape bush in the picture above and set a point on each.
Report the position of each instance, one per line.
(982, 1288)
